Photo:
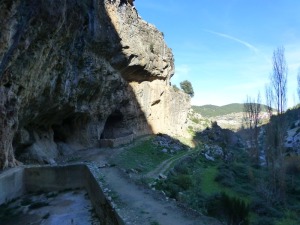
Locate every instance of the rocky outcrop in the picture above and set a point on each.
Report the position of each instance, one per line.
(73, 72)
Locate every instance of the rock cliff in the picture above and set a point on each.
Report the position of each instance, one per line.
(75, 72)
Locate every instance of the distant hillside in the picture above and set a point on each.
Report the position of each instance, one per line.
(213, 110)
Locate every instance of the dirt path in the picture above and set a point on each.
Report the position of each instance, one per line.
(144, 207)
(141, 205)
(165, 166)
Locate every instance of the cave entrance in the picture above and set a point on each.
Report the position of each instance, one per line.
(115, 126)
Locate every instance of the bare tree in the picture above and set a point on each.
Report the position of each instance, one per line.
(298, 81)
(279, 79)
(269, 99)
(276, 129)
(252, 109)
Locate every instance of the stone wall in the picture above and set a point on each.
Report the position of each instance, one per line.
(18, 181)
(116, 142)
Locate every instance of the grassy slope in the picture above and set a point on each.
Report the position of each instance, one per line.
(143, 157)
(213, 110)
(196, 182)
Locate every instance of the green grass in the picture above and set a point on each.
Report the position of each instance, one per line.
(208, 184)
(175, 159)
(287, 221)
(291, 218)
(142, 157)
(210, 187)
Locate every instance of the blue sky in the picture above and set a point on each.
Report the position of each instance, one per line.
(225, 47)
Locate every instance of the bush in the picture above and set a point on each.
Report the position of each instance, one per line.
(233, 211)
(186, 86)
(261, 207)
(183, 181)
(264, 221)
(225, 178)
(172, 189)
(195, 120)
(182, 168)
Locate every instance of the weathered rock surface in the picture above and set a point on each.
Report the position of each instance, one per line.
(73, 72)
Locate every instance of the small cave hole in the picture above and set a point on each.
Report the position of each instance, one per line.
(59, 133)
(115, 127)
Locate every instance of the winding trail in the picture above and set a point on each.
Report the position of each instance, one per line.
(138, 204)
(166, 165)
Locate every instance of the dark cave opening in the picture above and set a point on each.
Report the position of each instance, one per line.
(69, 127)
(115, 126)
(59, 135)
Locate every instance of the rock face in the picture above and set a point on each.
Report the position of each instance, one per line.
(74, 72)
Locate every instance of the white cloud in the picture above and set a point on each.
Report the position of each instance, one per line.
(246, 44)
(251, 47)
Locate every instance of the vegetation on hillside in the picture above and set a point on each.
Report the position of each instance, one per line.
(213, 110)
(222, 172)
(218, 177)
(248, 177)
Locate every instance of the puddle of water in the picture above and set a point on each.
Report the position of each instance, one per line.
(53, 208)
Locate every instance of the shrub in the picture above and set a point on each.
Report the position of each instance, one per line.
(261, 207)
(232, 210)
(195, 120)
(264, 221)
(183, 181)
(225, 178)
(186, 86)
(172, 189)
(182, 168)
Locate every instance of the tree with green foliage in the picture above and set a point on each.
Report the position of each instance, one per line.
(186, 86)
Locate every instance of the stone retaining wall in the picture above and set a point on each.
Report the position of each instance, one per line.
(112, 143)
(16, 182)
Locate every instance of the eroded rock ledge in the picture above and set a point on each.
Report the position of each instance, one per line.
(73, 72)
